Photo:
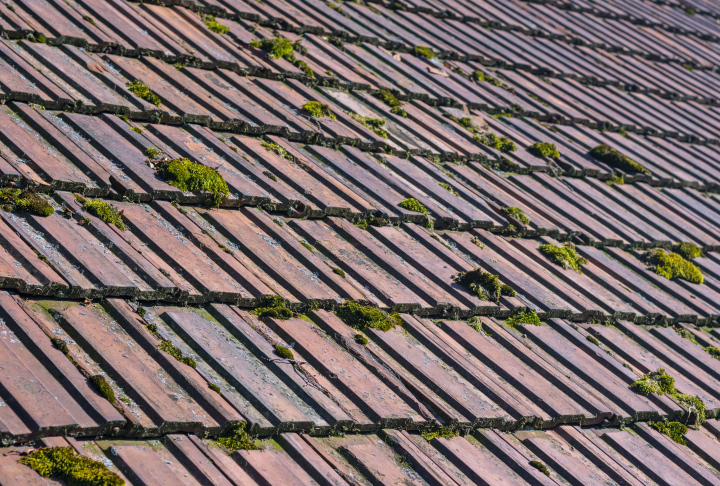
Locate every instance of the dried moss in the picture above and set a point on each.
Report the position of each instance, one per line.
(105, 212)
(237, 439)
(412, 204)
(658, 382)
(540, 467)
(518, 214)
(564, 255)
(339, 272)
(277, 150)
(476, 324)
(613, 158)
(362, 316)
(674, 430)
(713, 351)
(485, 285)
(214, 25)
(424, 51)
(191, 176)
(672, 265)
(284, 352)
(687, 250)
(439, 431)
(168, 347)
(390, 100)
(142, 90)
(374, 124)
(65, 464)
(101, 385)
(593, 340)
(523, 317)
(25, 201)
(544, 149)
(489, 139)
(318, 110)
(695, 406)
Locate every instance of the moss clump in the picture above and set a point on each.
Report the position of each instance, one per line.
(544, 149)
(362, 316)
(168, 347)
(465, 122)
(688, 251)
(439, 431)
(485, 285)
(684, 333)
(191, 176)
(284, 352)
(274, 307)
(214, 25)
(25, 201)
(658, 382)
(672, 265)
(424, 51)
(593, 340)
(307, 246)
(412, 204)
(277, 150)
(540, 467)
(613, 158)
(690, 11)
(564, 255)
(374, 124)
(105, 212)
(142, 90)
(89, 19)
(448, 188)
(75, 469)
(339, 272)
(153, 153)
(482, 77)
(101, 385)
(713, 351)
(136, 130)
(674, 430)
(526, 317)
(503, 144)
(476, 324)
(395, 105)
(318, 110)
(237, 439)
(280, 47)
(695, 406)
(615, 179)
(360, 339)
(215, 388)
(518, 214)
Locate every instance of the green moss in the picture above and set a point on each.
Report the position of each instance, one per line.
(690, 11)
(339, 272)
(544, 149)
(168, 347)
(284, 352)
(190, 176)
(674, 430)
(672, 265)
(215, 388)
(61, 345)
(273, 307)
(464, 122)
(360, 339)
(713, 351)
(307, 246)
(518, 214)
(101, 385)
(593, 340)
(523, 317)
(142, 90)
(136, 130)
(540, 467)
(65, 464)
(214, 25)
(684, 333)
(658, 382)
(616, 179)
(280, 47)
(476, 324)
(390, 100)
(105, 212)
(270, 175)
(613, 158)
(564, 255)
(374, 124)
(412, 204)
(424, 51)
(489, 139)
(448, 188)
(318, 110)
(153, 153)
(89, 19)
(485, 285)
(236, 439)
(362, 316)
(695, 406)
(482, 77)
(25, 201)
(687, 250)
(439, 431)
(277, 150)
(37, 37)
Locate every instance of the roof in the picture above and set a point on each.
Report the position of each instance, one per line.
(305, 242)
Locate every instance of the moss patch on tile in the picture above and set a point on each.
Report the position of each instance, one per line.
(518, 214)
(237, 439)
(412, 204)
(168, 347)
(694, 405)
(672, 265)
(424, 51)
(75, 469)
(674, 430)
(25, 201)
(658, 382)
(544, 149)
(439, 431)
(485, 285)
(390, 100)
(374, 124)
(318, 110)
(105, 212)
(684, 333)
(191, 176)
(280, 47)
(503, 144)
(713, 351)
(360, 317)
(524, 317)
(214, 25)
(481, 77)
(616, 159)
(101, 385)
(142, 91)
(687, 250)
(277, 150)
(284, 352)
(564, 255)
(540, 467)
